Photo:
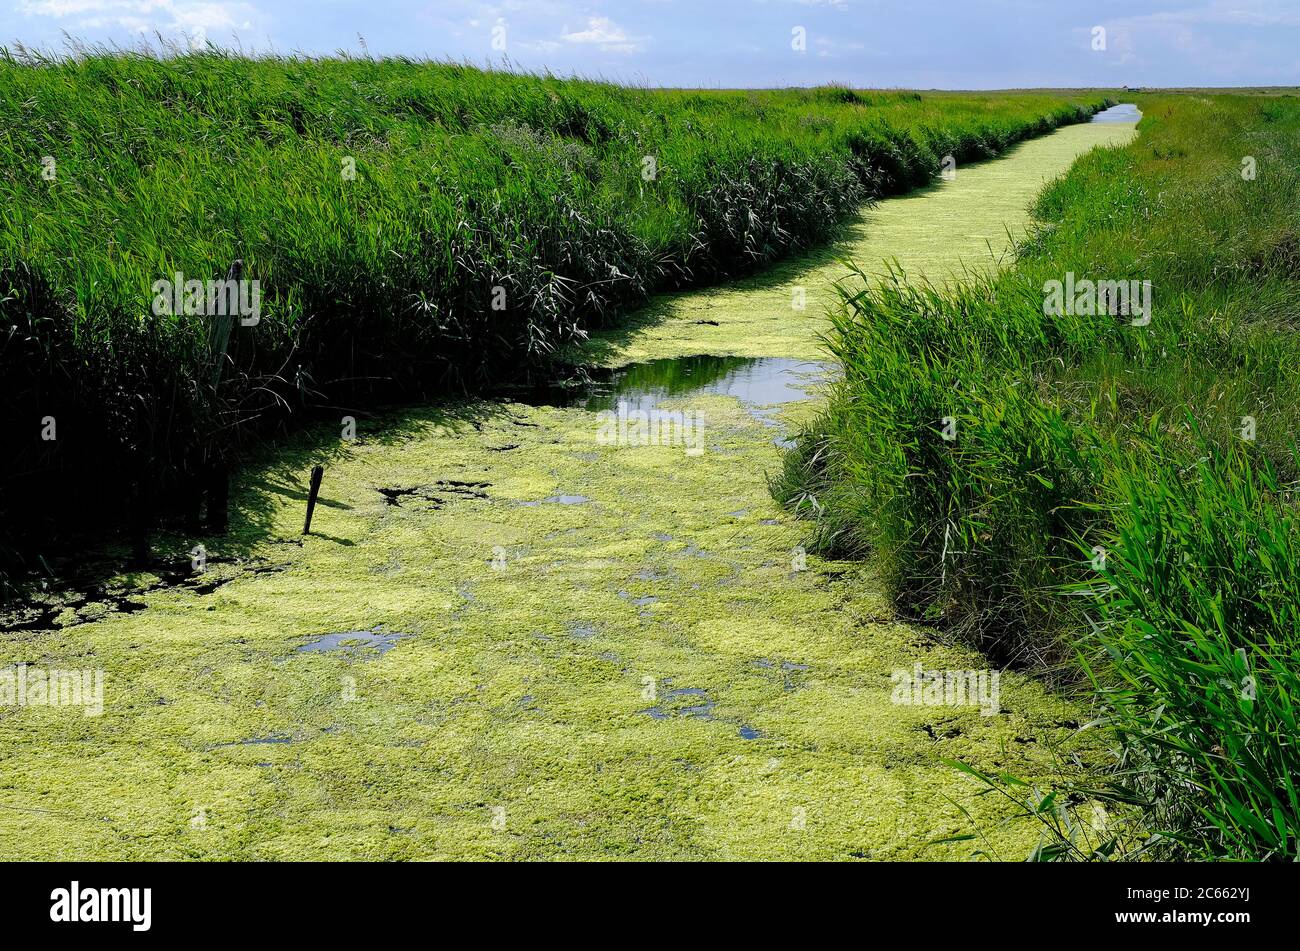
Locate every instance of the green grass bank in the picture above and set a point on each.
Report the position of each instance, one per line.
(413, 228)
(1101, 491)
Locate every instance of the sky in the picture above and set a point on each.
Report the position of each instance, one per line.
(921, 44)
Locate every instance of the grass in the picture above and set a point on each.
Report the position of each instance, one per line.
(513, 719)
(1117, 503)
(493, 219)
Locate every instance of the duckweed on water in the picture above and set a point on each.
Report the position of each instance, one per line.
(404, 755)
(539, 637)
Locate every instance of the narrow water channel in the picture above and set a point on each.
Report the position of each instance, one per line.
(566, 627)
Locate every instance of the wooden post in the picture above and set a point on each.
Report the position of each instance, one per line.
(219, 497)
(219, 331)
(217, 477)
(316, 473)
(141, 522)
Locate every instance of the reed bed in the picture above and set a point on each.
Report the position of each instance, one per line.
(414, 229)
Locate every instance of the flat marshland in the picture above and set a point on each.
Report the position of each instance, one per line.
(510, 634)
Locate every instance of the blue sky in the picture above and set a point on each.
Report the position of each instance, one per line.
(921, 43)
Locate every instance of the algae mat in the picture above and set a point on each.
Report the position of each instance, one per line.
(940, 233)
(512, 636)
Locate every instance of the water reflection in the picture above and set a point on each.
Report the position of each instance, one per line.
(761, 385)
(1124, 112)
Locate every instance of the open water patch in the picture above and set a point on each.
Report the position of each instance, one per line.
(762, 385)
(1124, 112)
(353, 642)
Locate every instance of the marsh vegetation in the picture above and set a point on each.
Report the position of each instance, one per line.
(1117, 504)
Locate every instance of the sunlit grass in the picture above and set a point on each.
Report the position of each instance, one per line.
(1118, 503)
(577, 199)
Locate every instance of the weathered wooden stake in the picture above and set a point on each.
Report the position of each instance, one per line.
(141, 521)
(219, 498)
(193, 499)
(317, 472)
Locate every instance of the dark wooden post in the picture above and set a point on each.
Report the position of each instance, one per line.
(218, 497)
(216, 481)
(195, 483)
(140, 517)
(317, 473)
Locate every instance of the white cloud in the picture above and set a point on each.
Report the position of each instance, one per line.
(1227, 12)
(63, 8)
(1199, 34)
(604, 33)
(193, 19)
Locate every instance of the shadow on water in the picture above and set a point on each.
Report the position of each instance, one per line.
(95, 575)
(281, 472)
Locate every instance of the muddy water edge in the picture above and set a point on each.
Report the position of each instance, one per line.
(572, 625)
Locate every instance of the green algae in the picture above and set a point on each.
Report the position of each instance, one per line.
(954, 227)
(531, 703)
